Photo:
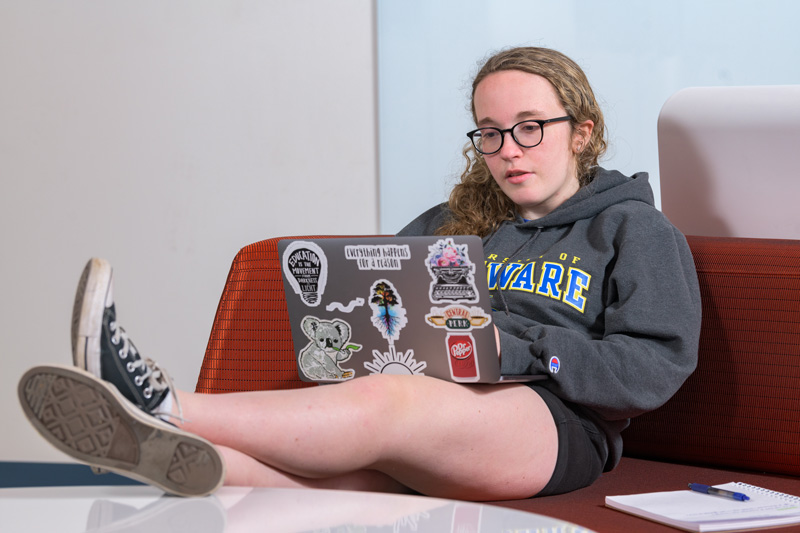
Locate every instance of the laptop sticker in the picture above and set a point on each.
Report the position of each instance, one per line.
(305, 267)
(329, 346)
(458, 318)
(338, 306)
(388, 313)
(452, 272)
(393, 362)
(378, 256)
(462, 357)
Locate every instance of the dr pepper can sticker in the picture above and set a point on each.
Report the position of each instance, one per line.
(461, 356)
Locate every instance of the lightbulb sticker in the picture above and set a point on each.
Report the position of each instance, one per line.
(388, 313)
(305, 267)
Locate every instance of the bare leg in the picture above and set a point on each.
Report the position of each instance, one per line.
(245, 471)
(436, 437)
(433, 436)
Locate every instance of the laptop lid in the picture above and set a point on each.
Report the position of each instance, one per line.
(392, 305)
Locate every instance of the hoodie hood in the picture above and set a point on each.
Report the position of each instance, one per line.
(609, 187)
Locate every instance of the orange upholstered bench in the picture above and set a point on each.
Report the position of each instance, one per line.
(737, 418)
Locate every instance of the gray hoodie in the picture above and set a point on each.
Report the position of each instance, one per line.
(601, 295)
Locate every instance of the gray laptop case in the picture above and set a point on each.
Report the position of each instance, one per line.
(391, 305)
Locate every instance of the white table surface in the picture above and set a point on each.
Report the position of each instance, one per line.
(234, 509)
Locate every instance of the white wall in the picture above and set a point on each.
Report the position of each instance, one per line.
(636, 54)
(152, 133)
(165, 136)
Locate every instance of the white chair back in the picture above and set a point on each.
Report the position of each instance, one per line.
(729, 160)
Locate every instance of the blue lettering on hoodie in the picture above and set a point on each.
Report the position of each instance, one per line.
(567, 285)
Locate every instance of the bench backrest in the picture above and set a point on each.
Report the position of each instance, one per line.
(741, 407)
(250, 346)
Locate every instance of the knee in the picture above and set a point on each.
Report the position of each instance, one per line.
(382, 395)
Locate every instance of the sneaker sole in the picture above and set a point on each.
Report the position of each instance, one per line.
(90, 421)
(87, 314)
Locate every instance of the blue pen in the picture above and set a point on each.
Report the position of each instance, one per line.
(705, 489)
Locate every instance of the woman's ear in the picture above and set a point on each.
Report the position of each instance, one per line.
(581, 135)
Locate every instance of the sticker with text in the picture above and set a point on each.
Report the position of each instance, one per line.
(329, 346)
(452, 272)
(377, 256)
(305, 267)
(458, 318)
(462, 357)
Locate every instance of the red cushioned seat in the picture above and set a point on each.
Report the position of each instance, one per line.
(250, 346)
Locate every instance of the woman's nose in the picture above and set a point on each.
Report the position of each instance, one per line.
(510, 147)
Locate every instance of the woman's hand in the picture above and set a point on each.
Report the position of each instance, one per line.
(497, 340)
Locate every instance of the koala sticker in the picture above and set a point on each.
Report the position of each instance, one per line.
(329, 345)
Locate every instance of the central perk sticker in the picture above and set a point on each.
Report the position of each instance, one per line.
(452, 272)
(458, 317)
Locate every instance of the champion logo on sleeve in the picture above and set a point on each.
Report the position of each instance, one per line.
(555, 365)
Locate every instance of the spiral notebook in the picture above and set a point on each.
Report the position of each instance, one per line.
(695, 511)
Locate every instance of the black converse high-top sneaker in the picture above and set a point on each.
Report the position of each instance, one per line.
(111, 409)
(89, 419)
(101, 346)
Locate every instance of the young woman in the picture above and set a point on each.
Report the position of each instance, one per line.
(591, 286)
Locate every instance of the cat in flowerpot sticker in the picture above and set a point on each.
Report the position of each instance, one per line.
(452, 272)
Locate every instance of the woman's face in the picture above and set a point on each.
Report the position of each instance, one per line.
(541, 178)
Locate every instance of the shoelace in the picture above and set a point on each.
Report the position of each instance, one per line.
(156, 378)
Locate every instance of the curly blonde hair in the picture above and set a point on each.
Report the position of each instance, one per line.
(477, 204)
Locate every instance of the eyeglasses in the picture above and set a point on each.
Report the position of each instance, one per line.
(528, 133)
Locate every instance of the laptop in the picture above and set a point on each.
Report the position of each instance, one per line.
(391, 305)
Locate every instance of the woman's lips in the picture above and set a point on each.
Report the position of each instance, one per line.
(516, 177)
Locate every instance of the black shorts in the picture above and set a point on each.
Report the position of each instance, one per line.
(582, 448)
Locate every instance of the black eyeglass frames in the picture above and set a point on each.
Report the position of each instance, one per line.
(528, 133)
